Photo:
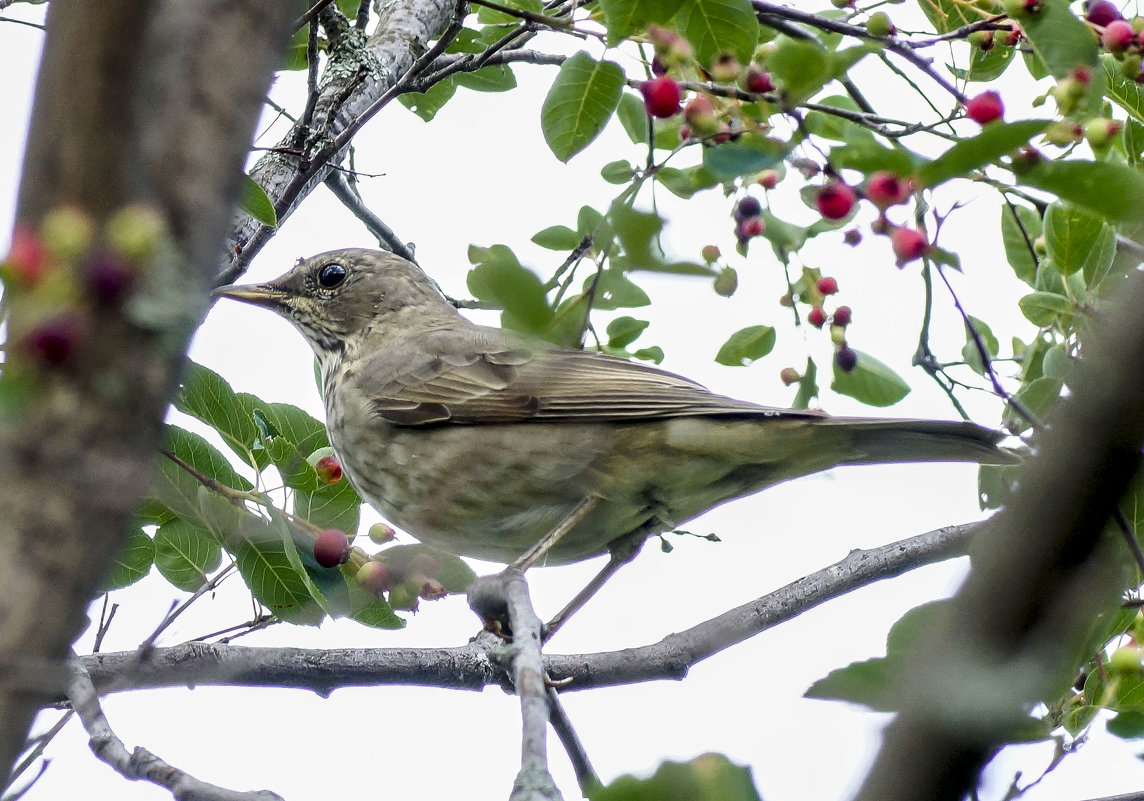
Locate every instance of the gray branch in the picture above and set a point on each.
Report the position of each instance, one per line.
(141, 763)
(468, 667)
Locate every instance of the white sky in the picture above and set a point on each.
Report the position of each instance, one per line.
(481, 174)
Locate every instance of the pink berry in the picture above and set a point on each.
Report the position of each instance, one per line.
(329, 469)
(842, 316)
(700, 115)
(331, 548)
(661, 97)
(750, 228)
(1117, 36)
(908, 244)
(768, 179)
(985, 108)
(828, 285)
(816, 317)
(835, 200)
(431, 590)
(846, 358)
(886, 189)
(1101, 12)
(27, 260)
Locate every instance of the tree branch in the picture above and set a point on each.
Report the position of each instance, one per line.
(141, 763)
(468, 667)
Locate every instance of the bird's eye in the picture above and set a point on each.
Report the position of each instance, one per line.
(330, 275)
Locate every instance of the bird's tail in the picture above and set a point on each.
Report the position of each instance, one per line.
(876, 441)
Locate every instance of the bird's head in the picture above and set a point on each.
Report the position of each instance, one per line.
(350, 296)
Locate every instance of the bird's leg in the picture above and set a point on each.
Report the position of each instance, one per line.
(620, 553)
(556, 534)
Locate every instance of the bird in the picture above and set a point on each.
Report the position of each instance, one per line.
(481, 441)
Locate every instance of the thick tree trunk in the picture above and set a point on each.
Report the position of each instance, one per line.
(137, 101)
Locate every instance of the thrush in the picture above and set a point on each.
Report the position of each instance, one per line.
(480, 441)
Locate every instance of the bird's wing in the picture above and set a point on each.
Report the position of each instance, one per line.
(477, 376)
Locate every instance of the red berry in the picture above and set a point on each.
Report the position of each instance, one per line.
(842, 316)
(985, 108)
(768, 179)
(658, 68)
(711, 253)
(908, 244)
(846, 358)
(1101, 12)
(886, 189)
(835, 200)
(747, 207)
(749, 228)
(1117, 36)
(109, 278)
(759, 81)
(27, 261)
(373, 577)
(816, 317)
(55, 341)
(661, 97)
(331, 548)
(828, 285)
(329, 469)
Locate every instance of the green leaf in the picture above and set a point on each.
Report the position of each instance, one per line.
(994, 141)
(948, 15)
(808, 387)
(254, 201)
(1122, 91)
(626, 17)
(867, 155)
(1132, 138)
(494, 78)
(749, 154)
(617, 172)
(708, 777)
(638, 232)
(178, 490)
(1020, 227)
(714, 27)
(1078, 240)
(747, 345)
(870, 382)
(186, 554)
(1128, 725)
(1059, 37)
(369, 610)
(1043, 308)
(268, 562)
(623, 331)
(133, 563)
(492, 16)
(498, 278)
(581, 101)
(970, 352)
(330, 506)
(686, 182)
(614, 290)
(557, 237)
(1038, 396)
(800, 67)
(307, 433)
(426, 104)
(1114, 191)
(206, 396)
(869, 682)
(985, 66)
(653, 354)
(633, 117)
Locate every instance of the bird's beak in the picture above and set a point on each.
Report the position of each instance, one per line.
(257, 294)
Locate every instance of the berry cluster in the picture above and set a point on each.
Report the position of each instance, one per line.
(62, 273)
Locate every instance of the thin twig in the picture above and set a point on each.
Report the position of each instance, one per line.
(345, 190)
(586, 775)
